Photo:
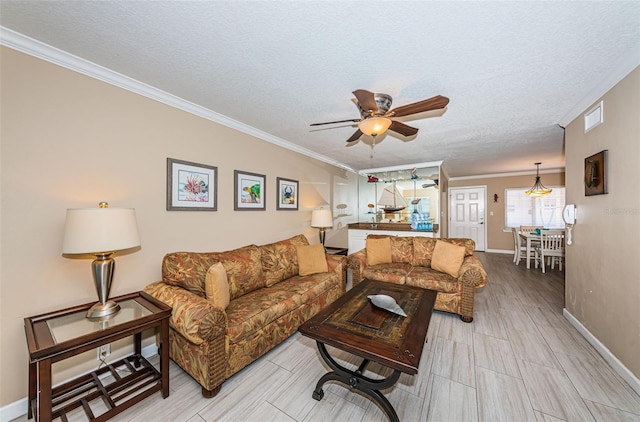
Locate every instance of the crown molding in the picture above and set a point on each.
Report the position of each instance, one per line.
(510, 174)
(620, 71)
(35, 48)
(401, 167)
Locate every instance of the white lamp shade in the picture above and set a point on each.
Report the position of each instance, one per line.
(100, 230)
(374, 125)
(321, 218)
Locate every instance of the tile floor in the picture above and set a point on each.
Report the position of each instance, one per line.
(520, 360)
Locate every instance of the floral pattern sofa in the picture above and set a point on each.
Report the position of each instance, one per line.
(268, 302)
(411, 264)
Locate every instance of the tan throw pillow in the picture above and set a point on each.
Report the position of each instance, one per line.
(378, 251)
(311, 259)
(447, 258)
(217, 286)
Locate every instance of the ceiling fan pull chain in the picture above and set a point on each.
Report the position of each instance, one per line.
(373, 145)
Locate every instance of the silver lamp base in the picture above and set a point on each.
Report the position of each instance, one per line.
(102, 269)
(101, 310)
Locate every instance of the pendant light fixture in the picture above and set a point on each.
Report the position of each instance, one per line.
(538, 189)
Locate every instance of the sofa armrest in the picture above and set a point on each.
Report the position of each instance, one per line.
(472, 272)
(357, 262)
(194, 317)
(338, 264)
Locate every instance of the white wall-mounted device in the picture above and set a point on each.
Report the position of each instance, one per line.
(569, 214)
(569, 217)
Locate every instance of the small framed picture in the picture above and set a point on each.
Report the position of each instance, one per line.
(595, 174)
(191, 186)
(287, 194)
(249, 191)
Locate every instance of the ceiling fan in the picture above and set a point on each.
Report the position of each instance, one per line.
(376, 116)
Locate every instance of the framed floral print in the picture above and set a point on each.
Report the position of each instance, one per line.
(287, 194)
(249, 191)
(191, 186)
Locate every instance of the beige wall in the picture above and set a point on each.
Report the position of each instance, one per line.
(602, 279)
(72, 141)
(497, 238)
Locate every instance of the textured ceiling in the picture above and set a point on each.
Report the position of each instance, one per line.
(512, 70)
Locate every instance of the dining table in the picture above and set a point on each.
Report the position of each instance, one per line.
(531, 238)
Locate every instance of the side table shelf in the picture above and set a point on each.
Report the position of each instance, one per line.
(116, 392)
(108, 390)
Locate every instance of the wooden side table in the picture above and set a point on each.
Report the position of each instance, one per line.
(336, 250)
(58, 335)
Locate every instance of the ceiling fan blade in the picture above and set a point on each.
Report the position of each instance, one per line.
(402, 129)
(356, 135)
(366, 100)
(337, 121)
(433, 103)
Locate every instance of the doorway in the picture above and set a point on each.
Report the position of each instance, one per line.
(467, 214)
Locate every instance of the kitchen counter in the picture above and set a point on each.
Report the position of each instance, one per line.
(358, 232)
(389, 226)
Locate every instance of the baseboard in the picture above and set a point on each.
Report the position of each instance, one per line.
(615, 363)
(19, 407)
(502, 251)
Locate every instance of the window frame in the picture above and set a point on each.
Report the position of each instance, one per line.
(534, 207)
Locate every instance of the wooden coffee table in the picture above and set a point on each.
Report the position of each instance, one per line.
(354, 325)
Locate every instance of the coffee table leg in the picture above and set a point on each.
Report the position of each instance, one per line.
(355, 379)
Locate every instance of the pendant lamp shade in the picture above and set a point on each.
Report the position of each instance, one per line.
(538, 189)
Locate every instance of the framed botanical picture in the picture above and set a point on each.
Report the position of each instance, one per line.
(287, 194)
(191, 186)
(595, 174)
(249, 191)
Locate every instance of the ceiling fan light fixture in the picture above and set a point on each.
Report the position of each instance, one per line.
(538, 189)
(374, 126)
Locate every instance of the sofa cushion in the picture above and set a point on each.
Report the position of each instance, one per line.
(255, 310)
(378, 250)
(279, 260)
(395, 272)
(244, 270)
(428, 278)
(217, 286)
(311, 259)
(402, 249)
(447, 258)
(188, 269)
(422, 250)
(469, 244)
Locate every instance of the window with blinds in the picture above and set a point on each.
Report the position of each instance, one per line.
(523, 210)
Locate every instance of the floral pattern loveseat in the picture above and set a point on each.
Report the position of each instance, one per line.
(268, 302)
(411, 264)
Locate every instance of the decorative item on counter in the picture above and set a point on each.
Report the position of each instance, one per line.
(387, 303)
(420, 221)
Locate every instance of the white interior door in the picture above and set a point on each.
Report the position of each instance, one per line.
(467, 214)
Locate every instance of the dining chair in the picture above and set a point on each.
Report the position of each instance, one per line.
(551, 247)
(519, 247)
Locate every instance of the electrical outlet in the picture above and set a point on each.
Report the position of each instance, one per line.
(104, 351)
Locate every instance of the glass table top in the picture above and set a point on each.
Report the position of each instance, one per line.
(74, 325)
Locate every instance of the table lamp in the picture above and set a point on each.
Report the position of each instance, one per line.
(100, 232)
(321, 219)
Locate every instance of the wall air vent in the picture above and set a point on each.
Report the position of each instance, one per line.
(593, 117)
